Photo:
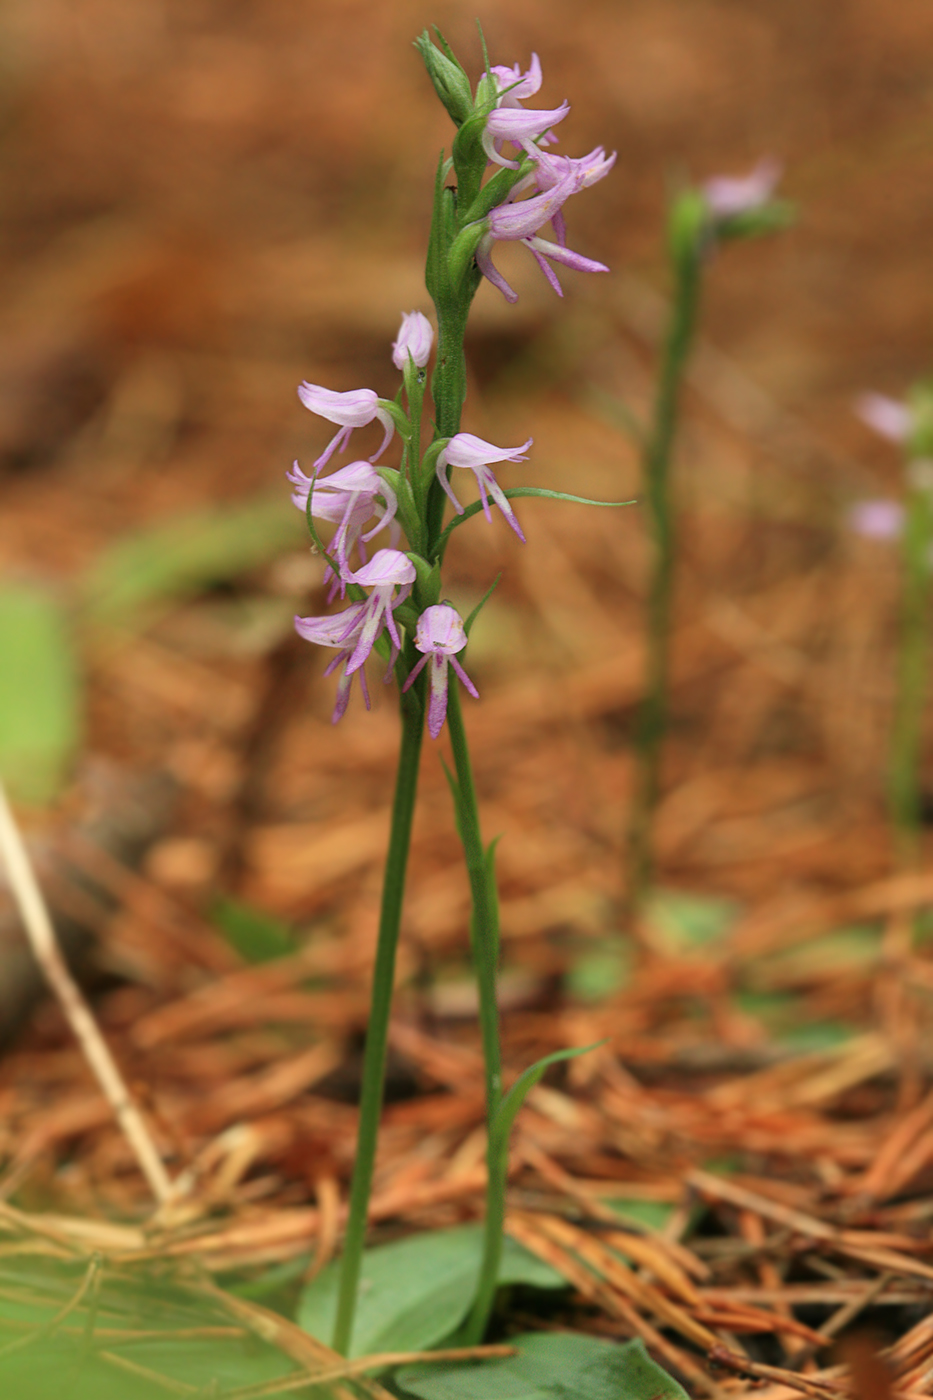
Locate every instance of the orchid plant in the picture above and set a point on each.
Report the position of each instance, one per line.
(509, 185)
(700, 220)
(910, 426)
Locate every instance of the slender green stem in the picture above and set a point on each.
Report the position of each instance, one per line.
(656, 463)
(484, 930)
(484, 924)
(913, 664)
(377, 1031)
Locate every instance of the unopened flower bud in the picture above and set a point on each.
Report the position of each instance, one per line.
(415, 338)
(450, 80)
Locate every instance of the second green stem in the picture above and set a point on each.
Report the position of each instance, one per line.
(651, 723)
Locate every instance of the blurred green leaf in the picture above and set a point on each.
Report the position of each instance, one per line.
(689, 921)
(654, 1214)
(185, 555)
(846, 950)
(783, 1013)
(602, 969)
(256, 936)
(128, 1336)
(549, 1366)
(417, 1291)
(40, 693)
(816, 1035)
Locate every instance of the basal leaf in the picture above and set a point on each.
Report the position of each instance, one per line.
(80, 1330)
(549, 1366)
(256, 936)
(688, 920)
(415, 1292)
(40, 693)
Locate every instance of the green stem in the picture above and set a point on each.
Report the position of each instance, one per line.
(651, 723)
(913, 662)
(484, 931)
(393, 890)
(448, 390)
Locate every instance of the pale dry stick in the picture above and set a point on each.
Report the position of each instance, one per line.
(41, 934)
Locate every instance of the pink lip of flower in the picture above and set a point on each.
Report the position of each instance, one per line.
(521, 127)
(528, 83)
(440, 634)
(465, 450)
(350, 410)
(341, 631)
(415, 337)
(387, 569)
(892, 420)
(728, 196)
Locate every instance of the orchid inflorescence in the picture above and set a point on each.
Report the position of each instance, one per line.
(509, 185)
(526, 190)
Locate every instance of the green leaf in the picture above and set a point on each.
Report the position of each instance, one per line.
(506, 1113)
(256, 936)
(41, 697)
(653, 1214)
(817, 1035)
(481, 604)
(415, 1292)
(688, 920)
(512, 495)
(46, 1351)
(550, 1366)
(186, 555)
(600, 970)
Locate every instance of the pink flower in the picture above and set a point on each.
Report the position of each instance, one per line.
(341, 631)
(415, 338)
(892, 420)
(558, 177)
(727, 196)
(589, 169)
(465, 450)
(877, 520)
(528, 83)
(439, 636)
(356, 630)
(387, 570)
(521, 127)
(347, 498)
(350, 410)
